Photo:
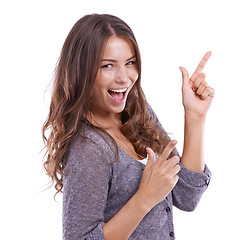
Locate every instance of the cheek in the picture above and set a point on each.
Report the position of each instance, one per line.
(134, 75)
(105, 78)
(101, 83)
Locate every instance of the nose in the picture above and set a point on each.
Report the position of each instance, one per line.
(122, 75)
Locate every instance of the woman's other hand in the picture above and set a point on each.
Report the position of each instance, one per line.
(159, 177)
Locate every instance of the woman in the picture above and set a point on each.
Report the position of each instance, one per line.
(101, 130)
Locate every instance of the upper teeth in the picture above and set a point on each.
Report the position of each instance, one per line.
(119, 90)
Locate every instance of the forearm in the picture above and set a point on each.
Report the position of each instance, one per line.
(121, 226)
(193, 149)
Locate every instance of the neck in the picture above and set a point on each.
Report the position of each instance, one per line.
(107, 121)
(105, 118)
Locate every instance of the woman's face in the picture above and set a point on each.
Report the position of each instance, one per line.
(115, 78)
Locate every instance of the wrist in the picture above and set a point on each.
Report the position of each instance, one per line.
(141, 204)
(193, 117)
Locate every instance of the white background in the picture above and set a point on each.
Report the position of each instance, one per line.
(170, 34)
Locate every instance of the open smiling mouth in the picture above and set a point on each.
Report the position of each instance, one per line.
(118, 94)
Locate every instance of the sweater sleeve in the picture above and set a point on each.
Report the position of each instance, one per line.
(191, 185)
(85, 191)
(190, 188)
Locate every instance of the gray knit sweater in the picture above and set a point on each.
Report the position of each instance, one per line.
(96, 188)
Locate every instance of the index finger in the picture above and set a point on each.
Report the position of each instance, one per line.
(201, 66)
(166, 152)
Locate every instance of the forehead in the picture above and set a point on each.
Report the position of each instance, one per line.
(117, 47)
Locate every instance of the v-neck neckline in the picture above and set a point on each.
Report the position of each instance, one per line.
(143, 161)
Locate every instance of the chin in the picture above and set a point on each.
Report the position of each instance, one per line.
(118, 109)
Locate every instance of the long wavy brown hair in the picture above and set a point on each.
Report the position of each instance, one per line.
(74, 79)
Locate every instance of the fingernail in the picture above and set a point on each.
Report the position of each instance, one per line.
(174, 142)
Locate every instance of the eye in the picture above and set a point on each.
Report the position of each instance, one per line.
(107, 66)
(131, 63)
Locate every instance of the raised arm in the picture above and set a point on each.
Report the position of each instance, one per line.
(197, 98)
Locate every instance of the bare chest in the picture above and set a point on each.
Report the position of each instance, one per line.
(124, 143)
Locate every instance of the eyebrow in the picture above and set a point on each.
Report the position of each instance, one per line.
(113, 60)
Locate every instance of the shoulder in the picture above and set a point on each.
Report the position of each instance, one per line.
(153, 114)
(154, 119)
(91, 147)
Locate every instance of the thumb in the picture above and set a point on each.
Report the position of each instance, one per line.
(185, 76)
(151, 157)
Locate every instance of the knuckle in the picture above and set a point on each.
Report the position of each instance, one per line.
(175, 159)
(203, 96)
(200, 79)
(205, 84)
(178, 168)
(154, 170)
(173, 182)
(199, 91)
(162, 172)
(196, 84)
(158, 171)
(176, 178)
(202, 75)
(168, 178)
(164, 154)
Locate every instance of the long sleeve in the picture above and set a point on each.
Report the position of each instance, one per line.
(191, 185)
(85, 191)
(190, 188)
